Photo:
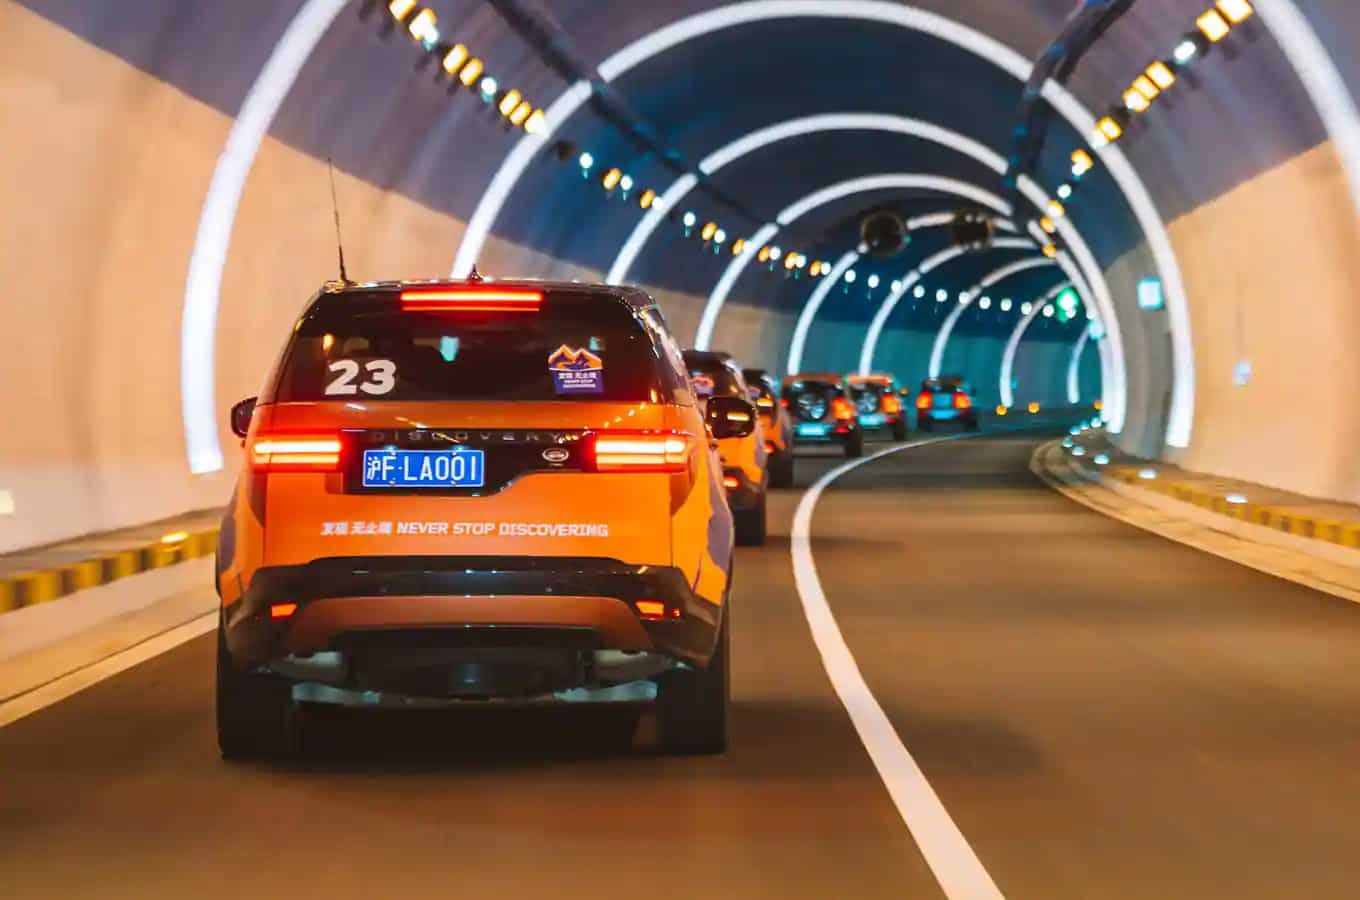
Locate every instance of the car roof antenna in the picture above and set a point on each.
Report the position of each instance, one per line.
(339, 239)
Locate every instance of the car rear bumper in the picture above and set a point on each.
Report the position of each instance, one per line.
(746, 494)
(573, 604)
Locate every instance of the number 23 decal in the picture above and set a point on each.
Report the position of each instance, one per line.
(382, 377)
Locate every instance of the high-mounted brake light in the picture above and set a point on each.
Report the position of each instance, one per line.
(471, 300)
(296, 453)
(842, 408)
(963, 401)
(923, 401)
(618, 451)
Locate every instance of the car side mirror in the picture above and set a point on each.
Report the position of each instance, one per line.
(730, 417)
(241, 414)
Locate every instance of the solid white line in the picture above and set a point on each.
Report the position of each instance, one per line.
(59, 689)
(953, 862)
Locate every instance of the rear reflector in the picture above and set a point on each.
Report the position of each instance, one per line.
(651, 609)
(296, 452)
(282, 610)
(620, 451)
(471, 300)
(655, 610)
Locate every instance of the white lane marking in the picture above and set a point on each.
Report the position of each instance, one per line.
(953, 862)
(59, 689)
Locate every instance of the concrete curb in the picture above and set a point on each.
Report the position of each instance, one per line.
(1332, 531)
(45, 585)
(1324, 566)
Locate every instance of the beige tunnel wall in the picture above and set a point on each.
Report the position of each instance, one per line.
(1272, 270)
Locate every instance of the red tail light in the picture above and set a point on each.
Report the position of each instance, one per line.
(471, 300)
(282, 610)
(296, 452)
(891, 405)
(842, 408)
(963, 401)
(640, 451)
(923, 401)
(765, 404)
(730, 482)
(784, 402)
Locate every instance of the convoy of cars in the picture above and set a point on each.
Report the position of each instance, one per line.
(463, 492)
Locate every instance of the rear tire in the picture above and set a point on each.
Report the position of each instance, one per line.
(854, 445)
(691, 704)
(749, 525)
(899, 430)
(256, 715)
(781, 469)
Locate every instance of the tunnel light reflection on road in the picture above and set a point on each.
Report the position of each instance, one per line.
(1147, 474)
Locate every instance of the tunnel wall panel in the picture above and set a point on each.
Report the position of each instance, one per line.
(1272, 270)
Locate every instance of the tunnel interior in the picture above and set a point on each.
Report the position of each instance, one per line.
(175, 209)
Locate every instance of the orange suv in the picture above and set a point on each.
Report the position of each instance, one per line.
(457, 492)
(713, 376)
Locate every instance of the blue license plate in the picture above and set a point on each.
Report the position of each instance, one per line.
(812, 430)
(873, 420)
(461, 468)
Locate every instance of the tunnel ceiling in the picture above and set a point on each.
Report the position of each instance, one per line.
(370, 98)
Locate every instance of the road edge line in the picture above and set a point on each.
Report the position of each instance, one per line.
(72, 683)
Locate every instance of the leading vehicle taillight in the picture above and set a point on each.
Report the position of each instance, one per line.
(296, 453)
(618, 451)
(842, 408)
(471, 300)
(891, 405)
(923, 401)
(963, 401)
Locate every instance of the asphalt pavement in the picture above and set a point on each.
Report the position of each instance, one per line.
(1102, 712)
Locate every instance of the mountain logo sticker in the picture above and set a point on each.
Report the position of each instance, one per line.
(576, 371)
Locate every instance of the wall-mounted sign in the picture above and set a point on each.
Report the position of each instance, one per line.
(1150, 294)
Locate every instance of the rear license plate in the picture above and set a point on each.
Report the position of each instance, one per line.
(462, 468)
(873, 420)
(812, 430)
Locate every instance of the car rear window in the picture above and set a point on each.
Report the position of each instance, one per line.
(714, 380)
(575, 348)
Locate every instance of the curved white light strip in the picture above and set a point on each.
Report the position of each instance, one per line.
(880, 320)
(783, 131)
(892, 181)
(1013, 343)
(1180, 419)
(647, 226)
(889, 181)
(1074, 369)
(810, 309)
(994, 278)
(202, 289)
(718, 297)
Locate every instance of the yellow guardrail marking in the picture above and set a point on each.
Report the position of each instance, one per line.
(46, 585)
(1290, 521)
